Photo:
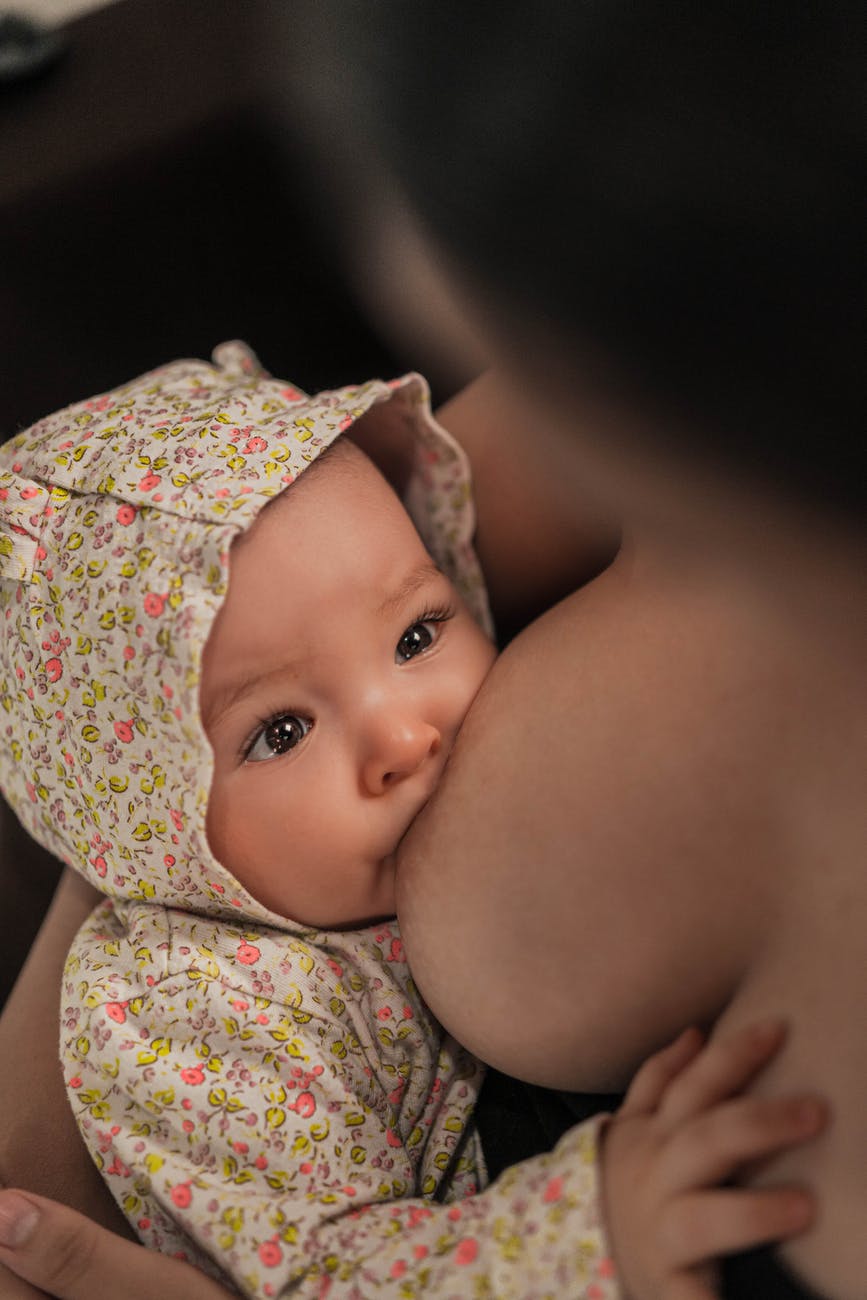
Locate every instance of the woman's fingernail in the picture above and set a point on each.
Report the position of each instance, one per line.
(18, 1219)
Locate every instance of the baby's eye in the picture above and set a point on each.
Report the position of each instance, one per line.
(277, 737)
(416, 640)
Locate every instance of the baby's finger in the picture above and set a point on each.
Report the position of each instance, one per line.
(709, 1149)
(655, 1075)
(705, 1225)
(726, 1065)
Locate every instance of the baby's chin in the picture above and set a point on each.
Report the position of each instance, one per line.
(381, 905)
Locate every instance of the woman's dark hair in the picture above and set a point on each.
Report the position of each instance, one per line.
(676, 188)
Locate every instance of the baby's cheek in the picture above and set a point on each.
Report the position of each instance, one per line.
(220, 826)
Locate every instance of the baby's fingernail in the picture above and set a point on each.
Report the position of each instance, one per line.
(768, 1031)
(18, 1219)
(811, 1112)
(800, 1208)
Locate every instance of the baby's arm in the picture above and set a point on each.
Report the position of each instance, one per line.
(675, 1134)
(278, 1133)
(682, 1132)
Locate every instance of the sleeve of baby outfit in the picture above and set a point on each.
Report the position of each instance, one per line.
(262, 1138)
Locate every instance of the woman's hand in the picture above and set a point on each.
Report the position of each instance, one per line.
(64, 1254)
(682, 1132)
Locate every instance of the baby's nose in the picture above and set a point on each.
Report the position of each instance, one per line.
(397, 747)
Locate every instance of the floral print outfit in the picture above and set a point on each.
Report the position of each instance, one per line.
(272, 1103)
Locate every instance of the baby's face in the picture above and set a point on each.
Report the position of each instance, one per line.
(335, 679)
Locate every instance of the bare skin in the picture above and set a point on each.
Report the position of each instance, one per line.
(691, 799)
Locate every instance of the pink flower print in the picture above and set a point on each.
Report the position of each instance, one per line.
(260, 1162)
(31, 792)
(335, 966)
(124, 731)
(396, 950)
(154, 604)
(241, 1147)
(467, 1251)
(99, 865)
(419, 1251)
(129, 653)
(256, 444)
(177, 819)
(149, 482)
(28, 493)
(392, 1138)
(75, 1081)
(270, 1254)
(116, 1011)
(181, 1195)
(384, 1013)
(398, 1268)
(54, 669)
(126, 514)
(553, 1192)
(248, 953)
(193, 1074)
(304, 1105)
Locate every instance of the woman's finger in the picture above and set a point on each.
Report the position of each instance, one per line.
(726, 1065)
(71, 1258)
(655, 1075)
(709, 1149)
(15, 1288)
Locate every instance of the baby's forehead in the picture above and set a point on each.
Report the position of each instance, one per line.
(342, 461)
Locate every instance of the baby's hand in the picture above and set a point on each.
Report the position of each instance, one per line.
(682, 1131)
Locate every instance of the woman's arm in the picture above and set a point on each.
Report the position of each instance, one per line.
(535, 543)
(40, 1150)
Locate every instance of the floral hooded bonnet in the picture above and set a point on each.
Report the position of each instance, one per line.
(116, 519)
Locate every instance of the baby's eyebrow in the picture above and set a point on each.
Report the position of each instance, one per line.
(233, 693)
(418, 577)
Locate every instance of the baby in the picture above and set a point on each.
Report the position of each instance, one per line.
(224, 704)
